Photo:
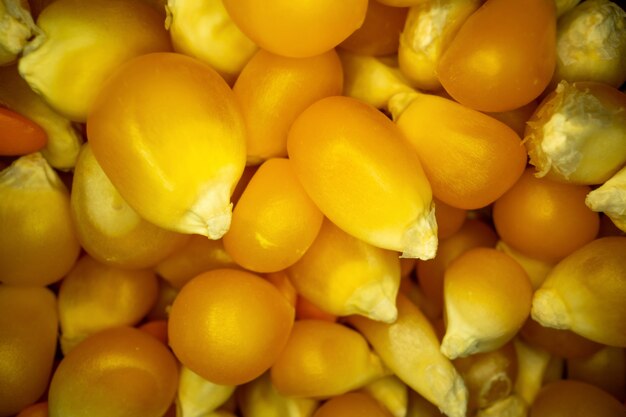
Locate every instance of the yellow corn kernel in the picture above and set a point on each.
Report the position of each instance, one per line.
(16, 28)
(198, 255)
(94, 296)
(390, 392)
(410, 348)
(536, 269)
(196, 396)
(610, 198)
(591, 44)
(28, 324)
(344, 275)
(110, 230)
(429, 28)
(415, 293)
(64, 141)
(142, 136)
(489, 377)
(605, 369)
(355, 165)
(380, 32)
(312, 29)
(563, 343)
(81, 45)
(274, 222)
(306, 310)
(38, 245)
(353, 404)
(532, 365)
(401, 3)
(260, 398)
(564, 6)
(282, 282)
(487, 299)
(578, 132)
(273, 90)
(511, 406)
(324, 359)
(585, 293)
(469, 158)
(545, 219)
(555, 370)
(570, 398)
(430, 274)
(372, 80)
(202, 29)
(165, 298)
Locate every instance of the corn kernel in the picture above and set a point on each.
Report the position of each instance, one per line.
(390, 392)
(511, 406)
(605, 369)
(16, 27)
(536, 269)
(260, 398)
(566, 398)
(532, 362)
(610, 198)
(354, 404)
(196, 396)
(558, 342)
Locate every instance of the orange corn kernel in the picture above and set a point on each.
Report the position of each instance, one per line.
(470, 159)
(19, 135)
(353, 404)
(544, 219)
(564, 343)
(282, 282)
(35, 410)
(306, 310)
(503, 56)
(449, 219)
(156, 328)
(605, 369)
(570, 398)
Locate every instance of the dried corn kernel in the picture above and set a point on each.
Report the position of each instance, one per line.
(196, 396)
(563, 343)
(610, 198)
(38, 245)
(390, 392)
(108, 228)
(536, 269)
(545, 219)
(36, 410)
(449, 219)
(142, 136)
(564, 6)
(511, 406)
(344, 275)
(354, 404)
(311, 29)
(516, 119)
(120, 372)
(605, 369)
(81, 44)
(591, 44)
(273, 90)
(410, 348)
(532, 365)
(16, 28)
(469, 158)
(430, 26)
(202, 29)
(420, 407)
(585, 293)
(324, 359)
(354, 164)
(487, 299)
(274, 222)
(578, 132)
(306, 310)
(503, 56)
(568, 398)
(260, 398)
(28, 324)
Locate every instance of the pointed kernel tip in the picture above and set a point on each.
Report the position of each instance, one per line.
(455, 346)
(549, 310)
(420, 239)
(385, 311)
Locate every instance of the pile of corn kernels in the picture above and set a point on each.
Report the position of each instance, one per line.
(298, 208)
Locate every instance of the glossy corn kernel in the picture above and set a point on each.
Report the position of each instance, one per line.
(260, 398)
(273, 90)
(610, 198)
(574, 128)
(324, 359)
(274, 222)
(94, 296)
(469, 158)
(430, 26)
(503, 56)
(108, 228)
(606, 369)
(591, 44)
(38, 245)
(116, 372)
(430, 274)
(487, 299)
(410, 348)
(229, 326)
(585, 292)
(545, 219)
(533, 363)
(563, 343)
(489, 377)
(81, 45)
(536, 269)
(355, 165)
(16, 27)
(390, 392)
(344, 275)
(380, 32)
(142, 136)
(306, 310)
(64, 141)
(568, 398)
(28, 324)
(203, 29)
(311, 29)
(354, 404)
(197, 397)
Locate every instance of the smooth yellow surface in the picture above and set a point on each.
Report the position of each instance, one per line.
(260, 398)
(354, 404)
